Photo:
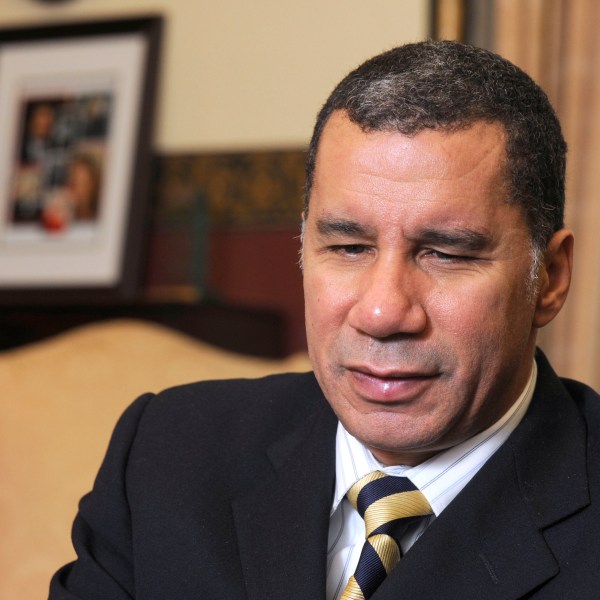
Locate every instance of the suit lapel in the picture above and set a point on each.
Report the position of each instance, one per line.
(490, 539)
(282, 524)
(485, 541)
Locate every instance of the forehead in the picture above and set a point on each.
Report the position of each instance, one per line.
(343, 141)
(460, 171)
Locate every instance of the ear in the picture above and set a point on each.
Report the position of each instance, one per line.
(554, 277)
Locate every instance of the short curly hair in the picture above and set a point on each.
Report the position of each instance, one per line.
(447, 86)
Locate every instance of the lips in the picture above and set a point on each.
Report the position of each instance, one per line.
(389, 387)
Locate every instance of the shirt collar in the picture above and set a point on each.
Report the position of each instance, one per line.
(444, 475)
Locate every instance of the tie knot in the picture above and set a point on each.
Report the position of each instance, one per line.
(382, 500)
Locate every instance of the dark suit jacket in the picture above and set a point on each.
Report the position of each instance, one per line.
(222, 490)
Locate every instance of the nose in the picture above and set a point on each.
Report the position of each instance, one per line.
(389, 300)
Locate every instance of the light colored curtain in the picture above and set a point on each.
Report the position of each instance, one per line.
(557, 43)
(449, 19)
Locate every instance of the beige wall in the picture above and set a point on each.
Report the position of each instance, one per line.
(239, 73)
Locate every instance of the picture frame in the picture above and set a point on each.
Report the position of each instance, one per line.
(78, 103)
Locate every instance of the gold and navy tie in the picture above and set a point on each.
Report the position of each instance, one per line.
(388, 506)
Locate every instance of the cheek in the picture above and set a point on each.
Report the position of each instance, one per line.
(462, 303)
(327, 304)
(482, 318)
(326, 300)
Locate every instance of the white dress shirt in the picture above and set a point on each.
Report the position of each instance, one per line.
(440, 479)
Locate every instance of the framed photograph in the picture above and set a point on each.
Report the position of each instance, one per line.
(75, 133)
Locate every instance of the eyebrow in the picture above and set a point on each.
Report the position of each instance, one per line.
(463, 238)
(342, 227)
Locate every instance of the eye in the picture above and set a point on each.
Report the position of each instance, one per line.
(446, 257)
(349, 249)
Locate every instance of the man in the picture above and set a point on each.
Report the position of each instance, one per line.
(433, 251)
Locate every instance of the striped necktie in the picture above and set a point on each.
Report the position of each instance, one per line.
(388, 505)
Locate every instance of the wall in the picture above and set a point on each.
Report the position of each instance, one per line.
(245, 76)
(239, 74)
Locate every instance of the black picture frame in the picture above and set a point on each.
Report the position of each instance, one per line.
(59, 241)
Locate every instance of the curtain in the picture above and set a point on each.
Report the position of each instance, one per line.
(556, 42)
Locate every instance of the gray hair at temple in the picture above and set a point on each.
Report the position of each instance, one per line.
(448, 86)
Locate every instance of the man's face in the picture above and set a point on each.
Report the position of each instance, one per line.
(416, 269)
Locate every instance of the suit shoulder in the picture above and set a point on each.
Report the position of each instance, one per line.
(250, 404)
(272, 390)
(587, 401)
(229, 423)
(586, 398)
